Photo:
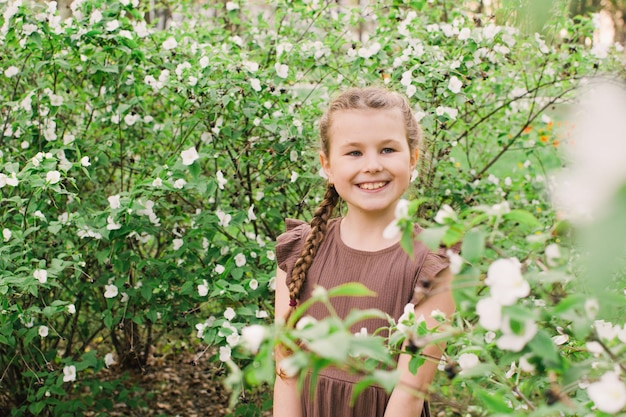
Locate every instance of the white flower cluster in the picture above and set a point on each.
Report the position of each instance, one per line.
(393, 231)
(506, 286)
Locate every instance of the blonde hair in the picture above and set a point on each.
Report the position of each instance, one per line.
(351, 99)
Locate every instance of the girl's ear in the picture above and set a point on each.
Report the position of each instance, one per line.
(414, 157)
(325, 162)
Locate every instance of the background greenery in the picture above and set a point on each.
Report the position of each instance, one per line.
(115, 242)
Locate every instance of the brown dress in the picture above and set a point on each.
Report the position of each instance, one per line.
(389, 272)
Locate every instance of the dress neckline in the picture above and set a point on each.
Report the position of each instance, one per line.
(335, 229)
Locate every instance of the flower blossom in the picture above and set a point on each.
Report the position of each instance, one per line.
(69, 373)
(513, 341)
(189, 155)
(505, 281)
(608, 394)
(455, 84)
(252, 337)
(110, 291)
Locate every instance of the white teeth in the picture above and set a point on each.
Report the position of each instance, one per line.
(372, 185)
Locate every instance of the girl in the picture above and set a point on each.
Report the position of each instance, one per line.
(369, 148)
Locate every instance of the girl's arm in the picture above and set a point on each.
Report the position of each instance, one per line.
(403, 400)
(286, 396)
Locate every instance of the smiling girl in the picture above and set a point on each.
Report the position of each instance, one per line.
(369, 147)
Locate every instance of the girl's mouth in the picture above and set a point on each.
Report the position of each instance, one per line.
(372, 185)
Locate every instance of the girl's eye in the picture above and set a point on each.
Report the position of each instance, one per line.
(354, 153)
(388, 150)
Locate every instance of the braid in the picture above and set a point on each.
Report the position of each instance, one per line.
(319, 225)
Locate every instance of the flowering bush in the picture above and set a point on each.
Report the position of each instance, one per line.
(146, 173)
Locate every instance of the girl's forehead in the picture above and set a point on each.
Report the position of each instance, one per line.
(361, 122)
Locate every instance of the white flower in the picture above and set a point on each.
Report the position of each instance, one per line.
(605, 330)
(294, 176)
(464, 34)
(6, 234)
(252, 337)
(468, 361)
(41, 275)
(591, 308)
(224, 219)
(179, 183)
(255, 83)
(177, 243)
(229, 313)
(305, 321)
(456, 262)
(225, 353)
(446, 212)
(52, 177)
(157, 182)
(56, 100)
(43, 331)
(114, 201)
(69, 373)
(111, 225)
(189, 155)
(594, 347)
(131, 118)
(411, 90)
(505, 280)
(608, 394)
(261, 314)
(392, 231)
(170, 43)
(254, 284)
(251, 66)
(553, 253)
(240, 259)
(96, 16)
(110, 291)
(489, 313)
(109, 359)
(451, 112)
(204, 62)
(560, 339)
(71, 308)
(84, 161)
(219, 269)
(513, 341)
(282, 70)
(499, 209)
(112, 25)
(455, 85)
(231, 5)
(11, 71)
(203, 289)
(221, 181)
(251, 215)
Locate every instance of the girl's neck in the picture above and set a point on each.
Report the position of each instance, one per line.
(365, 233)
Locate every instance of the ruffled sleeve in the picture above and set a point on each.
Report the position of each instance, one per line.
(289, 244)
(434, 263)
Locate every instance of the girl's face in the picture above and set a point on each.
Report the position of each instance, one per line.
(369, 160)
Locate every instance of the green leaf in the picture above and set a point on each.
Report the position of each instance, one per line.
(387, 379)
(493, 401)
(543, 346)
(356, 316)
(522, 217)
(351, 289)
(473, 245)
(336, 346)
(432, 237)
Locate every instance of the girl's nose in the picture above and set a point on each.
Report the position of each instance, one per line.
(373, 164)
